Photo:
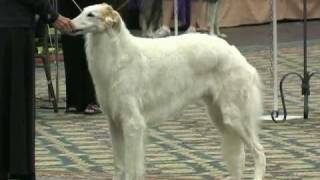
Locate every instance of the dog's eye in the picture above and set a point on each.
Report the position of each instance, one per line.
(90, 15)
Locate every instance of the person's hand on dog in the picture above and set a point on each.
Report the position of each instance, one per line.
(63, 24)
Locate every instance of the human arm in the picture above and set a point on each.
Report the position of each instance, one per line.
(48, 14)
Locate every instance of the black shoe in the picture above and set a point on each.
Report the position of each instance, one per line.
(21, 177)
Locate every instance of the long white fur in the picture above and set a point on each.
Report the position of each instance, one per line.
(140, 82)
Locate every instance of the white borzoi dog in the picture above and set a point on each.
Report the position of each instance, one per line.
(140, 82)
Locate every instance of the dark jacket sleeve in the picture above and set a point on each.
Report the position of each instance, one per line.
(43, 8)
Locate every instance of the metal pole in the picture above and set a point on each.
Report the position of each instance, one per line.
(47, 70)
(176, 13)
(305, 38)
(275, 55)
(55, 2)
(306, 82)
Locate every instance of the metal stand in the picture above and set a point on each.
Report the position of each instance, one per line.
(53, 96)
(305, 86)
(55, 6)
(47, 70)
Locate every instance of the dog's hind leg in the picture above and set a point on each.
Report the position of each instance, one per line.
(251, 139)
(118, 150)
(233, 153)
(250, 128)
(232, 146)
(241, 123)
(259, 156)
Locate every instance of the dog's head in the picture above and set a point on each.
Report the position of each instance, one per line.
(96, 18)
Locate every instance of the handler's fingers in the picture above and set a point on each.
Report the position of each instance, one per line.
(63, 24)
(69, 26)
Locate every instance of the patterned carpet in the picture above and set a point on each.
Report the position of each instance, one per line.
(75, 146)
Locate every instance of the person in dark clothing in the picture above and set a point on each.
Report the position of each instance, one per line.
(17, 83)
(80, 91)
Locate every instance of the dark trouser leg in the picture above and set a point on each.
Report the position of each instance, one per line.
(21, 103)
(79, 87)
(4, 103)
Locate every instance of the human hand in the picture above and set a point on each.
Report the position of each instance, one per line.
(63, 24)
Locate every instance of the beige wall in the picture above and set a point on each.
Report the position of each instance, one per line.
(241, 12)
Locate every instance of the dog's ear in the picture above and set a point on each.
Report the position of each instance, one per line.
(112, 18)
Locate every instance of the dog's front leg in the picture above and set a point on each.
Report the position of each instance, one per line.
(118, 149)
(134, 130)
